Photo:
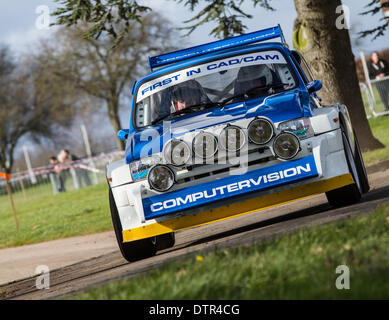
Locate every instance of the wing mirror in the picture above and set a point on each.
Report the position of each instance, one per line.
(314, 86)
(123, 134)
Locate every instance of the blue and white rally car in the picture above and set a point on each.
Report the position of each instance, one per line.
(224, 129)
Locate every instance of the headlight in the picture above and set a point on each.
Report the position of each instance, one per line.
(140, 168)
(260, 131)
(302, 128)
(177, 152)
(286, 146)
(232, 138)
(205, 145)
(161, 178)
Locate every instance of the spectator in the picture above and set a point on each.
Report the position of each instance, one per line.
(66, 156)
(379, 69)
(58, 178)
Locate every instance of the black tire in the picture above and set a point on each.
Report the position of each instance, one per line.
(165, 241)
(134, 250)
(351, 193)
(365, 187)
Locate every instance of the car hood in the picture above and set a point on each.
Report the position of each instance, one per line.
(279, 107)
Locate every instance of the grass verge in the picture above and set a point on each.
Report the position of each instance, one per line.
(380, 129)
(44, 216)
(298, 266)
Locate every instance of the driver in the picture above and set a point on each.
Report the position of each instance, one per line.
(182, 97)
(251, 77)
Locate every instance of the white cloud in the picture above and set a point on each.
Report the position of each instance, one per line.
(21, 41)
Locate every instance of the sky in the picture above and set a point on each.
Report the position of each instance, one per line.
(21, 21)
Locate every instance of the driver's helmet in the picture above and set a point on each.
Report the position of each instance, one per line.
(253, 76)
(187, 94)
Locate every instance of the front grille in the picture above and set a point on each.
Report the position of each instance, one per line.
(255, 156)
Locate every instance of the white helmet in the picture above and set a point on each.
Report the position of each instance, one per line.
(259, 72)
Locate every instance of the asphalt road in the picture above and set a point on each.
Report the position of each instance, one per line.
(234, 232)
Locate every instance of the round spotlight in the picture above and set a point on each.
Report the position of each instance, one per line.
(232, 138)
(177, 152)
(161, 178)
(286, 146)
(205, 145)
(260, 131)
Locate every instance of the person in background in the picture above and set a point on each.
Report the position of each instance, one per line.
(58, 178)
(379, 69)
(81, 173)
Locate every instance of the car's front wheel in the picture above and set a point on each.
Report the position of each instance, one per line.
(134, 250)
(351, 193)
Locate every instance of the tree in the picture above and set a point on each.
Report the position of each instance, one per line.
(325, 41)
(104, 15)
(337, 71)
(375, 7)
(25, 107)
(101, 68)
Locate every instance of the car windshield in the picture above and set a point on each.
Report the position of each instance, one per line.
(215, 83)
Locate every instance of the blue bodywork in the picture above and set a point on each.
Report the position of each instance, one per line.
(291, 104)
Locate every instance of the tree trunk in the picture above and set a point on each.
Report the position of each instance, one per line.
(115, 121)
(328, 52)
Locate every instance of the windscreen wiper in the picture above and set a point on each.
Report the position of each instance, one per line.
(207, 105)
(189, 109)
(161, 118)
(247, 92)
(203, 105)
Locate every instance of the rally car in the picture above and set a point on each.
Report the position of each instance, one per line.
(224, 129)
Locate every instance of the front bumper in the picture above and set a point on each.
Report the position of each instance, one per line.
(237, 209)
(232, 186)
(320, 167)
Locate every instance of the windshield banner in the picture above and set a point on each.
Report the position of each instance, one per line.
(159, 84)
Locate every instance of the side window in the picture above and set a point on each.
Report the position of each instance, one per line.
(306, 75)
(303, 65)
(306, 69)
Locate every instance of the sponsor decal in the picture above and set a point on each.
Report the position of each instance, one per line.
(140, 175)
(239, 61)
(170, 80)
(231, 186)
(159, 84)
